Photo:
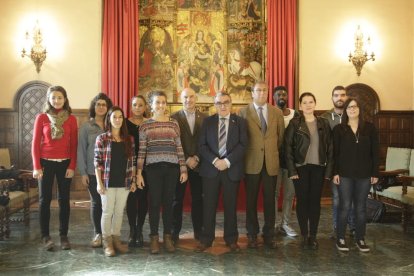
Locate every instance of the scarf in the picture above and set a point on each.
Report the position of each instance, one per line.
(56, 123)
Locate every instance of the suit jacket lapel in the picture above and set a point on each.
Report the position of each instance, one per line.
(184, 118)
(271, 116)
(198, 122)
(253, 114)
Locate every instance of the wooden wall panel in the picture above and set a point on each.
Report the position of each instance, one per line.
(395, 129)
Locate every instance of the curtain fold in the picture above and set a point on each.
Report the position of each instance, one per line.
(282, 46)
(120, 51)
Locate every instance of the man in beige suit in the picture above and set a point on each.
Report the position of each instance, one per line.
(265, 128)
(189, 120)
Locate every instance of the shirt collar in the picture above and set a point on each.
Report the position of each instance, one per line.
(257, 107)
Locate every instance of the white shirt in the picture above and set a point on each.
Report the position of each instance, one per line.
(227, 122)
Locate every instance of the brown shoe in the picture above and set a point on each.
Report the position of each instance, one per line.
(201, 247)
(118, 246)
(252, 242)
(154, 244)
(108, 246)
(168, 243)
(48, 244)
(64, 243)
(234, 247)
(97, 241)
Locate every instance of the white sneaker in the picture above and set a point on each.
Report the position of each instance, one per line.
(288, 230)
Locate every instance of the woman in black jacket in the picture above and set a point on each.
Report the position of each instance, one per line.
(356, 150)
(309, 155)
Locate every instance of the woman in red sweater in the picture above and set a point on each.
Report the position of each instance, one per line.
(54, 148)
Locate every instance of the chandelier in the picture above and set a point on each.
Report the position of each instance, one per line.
(360, 55)
(37, 50)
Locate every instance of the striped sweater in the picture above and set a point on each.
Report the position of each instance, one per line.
(160, 142)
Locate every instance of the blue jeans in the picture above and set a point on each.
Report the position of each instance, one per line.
(335, 205)
(353, 191)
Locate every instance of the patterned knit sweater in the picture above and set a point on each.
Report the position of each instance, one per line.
(160, 142)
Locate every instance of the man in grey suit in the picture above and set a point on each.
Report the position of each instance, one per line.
(222, 144)
(265, 128)
(189, 119)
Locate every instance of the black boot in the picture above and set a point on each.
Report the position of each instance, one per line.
(132, 242)
(140, 239)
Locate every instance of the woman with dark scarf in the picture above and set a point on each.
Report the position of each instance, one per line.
(54, 150)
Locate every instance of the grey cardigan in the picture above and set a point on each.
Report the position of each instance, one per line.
(86, 145)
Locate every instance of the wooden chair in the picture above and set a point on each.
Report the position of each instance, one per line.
(399, 168)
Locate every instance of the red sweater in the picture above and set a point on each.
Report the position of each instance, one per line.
(44, 146)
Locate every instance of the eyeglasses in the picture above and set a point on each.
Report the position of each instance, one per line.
(225, 104)
(260, 90)
(100, 104)
(352, 107)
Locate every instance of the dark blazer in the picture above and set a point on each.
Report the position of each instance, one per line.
(236, 146)
(189, 141)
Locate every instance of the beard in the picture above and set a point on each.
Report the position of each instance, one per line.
(281, 103)
(338, 104)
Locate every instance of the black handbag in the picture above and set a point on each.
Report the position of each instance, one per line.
(385, 182)
(4, 198)
(375, 210)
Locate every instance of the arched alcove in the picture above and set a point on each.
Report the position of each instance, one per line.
(28, 102)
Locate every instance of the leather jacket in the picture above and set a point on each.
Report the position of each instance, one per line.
(297, 142)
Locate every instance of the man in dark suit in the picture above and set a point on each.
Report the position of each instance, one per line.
(189, 120)
(222, 144)
(265, 128)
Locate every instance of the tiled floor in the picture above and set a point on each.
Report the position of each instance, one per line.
(392, 253)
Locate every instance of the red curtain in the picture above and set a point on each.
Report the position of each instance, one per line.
(282, 46)
(120, 51)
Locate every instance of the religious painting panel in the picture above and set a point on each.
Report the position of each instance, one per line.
(201, 41)
(245, 47)
(208, 45)
(156, 48)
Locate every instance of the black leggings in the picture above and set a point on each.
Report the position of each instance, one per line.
(162, 178)
(137, 207)
(308, 190)
(50, 170)
(96, 204)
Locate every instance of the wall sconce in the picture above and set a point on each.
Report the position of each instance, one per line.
(360, 55)
(38, 51)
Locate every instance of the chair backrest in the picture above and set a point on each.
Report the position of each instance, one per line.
(411, 173)
(397, 158)
(5, 158)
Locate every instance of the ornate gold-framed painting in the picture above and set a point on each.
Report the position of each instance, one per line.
(208, 45)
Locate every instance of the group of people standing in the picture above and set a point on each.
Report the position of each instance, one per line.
(144, 163)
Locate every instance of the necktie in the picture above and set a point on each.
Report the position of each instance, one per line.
(222, 137)
(262, 120)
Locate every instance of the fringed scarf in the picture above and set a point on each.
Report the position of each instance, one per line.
(56, 123)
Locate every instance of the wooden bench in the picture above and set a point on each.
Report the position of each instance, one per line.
(399, 167)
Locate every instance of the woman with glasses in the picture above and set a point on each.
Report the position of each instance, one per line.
(309, 151)
(161, 151)
(356, 150)
(88, 132)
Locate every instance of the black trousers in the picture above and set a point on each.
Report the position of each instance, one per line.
(137, 207)
(96, 204)
(196, 187)
(308, 190)
(162, 178)
(252, 191)
(50, 170)
(211, 192)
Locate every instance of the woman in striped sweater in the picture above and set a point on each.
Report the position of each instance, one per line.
(160, 148)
